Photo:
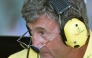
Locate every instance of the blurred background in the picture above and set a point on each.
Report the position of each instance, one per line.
(11, 21)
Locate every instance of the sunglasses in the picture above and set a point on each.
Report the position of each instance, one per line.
(25, 45)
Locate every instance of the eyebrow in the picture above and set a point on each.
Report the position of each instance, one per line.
(40, 28)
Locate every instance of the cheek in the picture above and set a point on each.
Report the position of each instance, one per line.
(57, 47)
(57, 43)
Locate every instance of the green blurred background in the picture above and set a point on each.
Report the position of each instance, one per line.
(11, 21)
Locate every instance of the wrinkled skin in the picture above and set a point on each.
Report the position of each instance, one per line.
(45, 29)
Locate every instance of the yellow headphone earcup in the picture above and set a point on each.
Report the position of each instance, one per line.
(75, 32)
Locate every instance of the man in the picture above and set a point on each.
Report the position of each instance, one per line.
(57, 32)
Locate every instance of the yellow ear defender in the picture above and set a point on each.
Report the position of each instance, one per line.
(75, 33)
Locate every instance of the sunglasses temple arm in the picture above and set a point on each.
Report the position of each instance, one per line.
(21, 36)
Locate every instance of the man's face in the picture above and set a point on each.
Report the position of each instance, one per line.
(42, 31)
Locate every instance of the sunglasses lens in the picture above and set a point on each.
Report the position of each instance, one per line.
(24, 42)
(23, 45)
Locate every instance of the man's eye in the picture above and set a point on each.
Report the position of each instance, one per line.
(41, 32)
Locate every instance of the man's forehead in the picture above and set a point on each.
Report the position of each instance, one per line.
(43, 19)
(45, 24)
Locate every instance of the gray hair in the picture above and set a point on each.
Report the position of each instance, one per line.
(33, 8)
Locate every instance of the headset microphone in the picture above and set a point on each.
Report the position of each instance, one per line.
(30, 45)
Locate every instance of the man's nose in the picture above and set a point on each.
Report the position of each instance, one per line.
(37, 41)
